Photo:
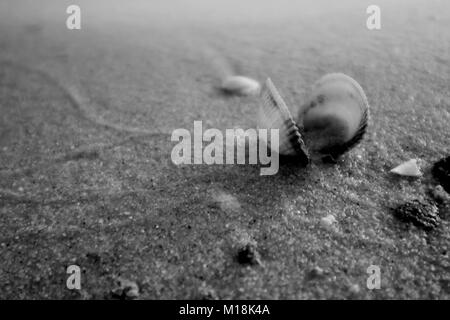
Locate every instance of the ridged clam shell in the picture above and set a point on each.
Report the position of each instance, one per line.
(335, 118)
(274, 114)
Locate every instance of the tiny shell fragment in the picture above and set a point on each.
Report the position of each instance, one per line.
(409, 168)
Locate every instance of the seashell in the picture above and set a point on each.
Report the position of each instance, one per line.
(333, 121)
(335, 118)
(408, 168)
(240, 85)
(274, 114)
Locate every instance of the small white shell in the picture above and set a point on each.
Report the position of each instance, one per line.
(336, 116)
(241, 85)
(409, 168)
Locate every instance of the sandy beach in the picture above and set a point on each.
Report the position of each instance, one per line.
(86, 176)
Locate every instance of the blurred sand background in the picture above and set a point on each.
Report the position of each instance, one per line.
(85, 170)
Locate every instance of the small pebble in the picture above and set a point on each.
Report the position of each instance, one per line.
(248, 255)
(225, 201)
(442, 200)
(328, 221)
(316, 272)
(93, 257)
(133, 293)
(207, 293)
(126, 289)
(439, 195)
(421, 214)
(354, 289)
(240, 85)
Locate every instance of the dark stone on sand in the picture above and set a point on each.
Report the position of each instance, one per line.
(248, 255)
(441, 172)
(315, 273)
(93, 257)
(422, 214)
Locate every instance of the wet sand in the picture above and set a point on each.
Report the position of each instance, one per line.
(86, 176)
